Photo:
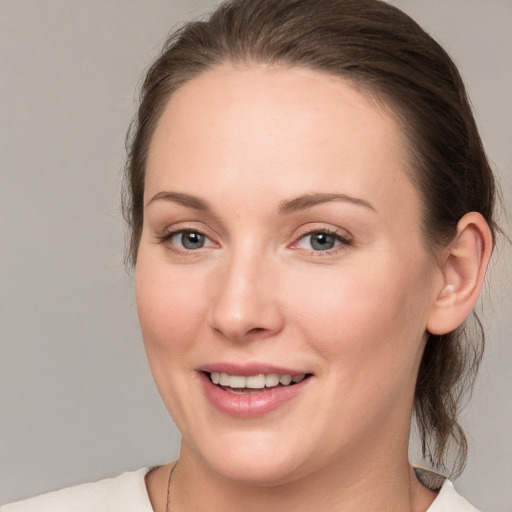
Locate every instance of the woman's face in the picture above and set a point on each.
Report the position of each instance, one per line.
(282, 238)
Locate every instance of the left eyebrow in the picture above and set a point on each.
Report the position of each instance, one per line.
(309, 200)
(184, 199)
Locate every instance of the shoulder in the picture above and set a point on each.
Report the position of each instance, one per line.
(449, 500)
(125, 493)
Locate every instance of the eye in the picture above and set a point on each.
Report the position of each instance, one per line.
(185, 241)
(189, 240)
(321, 241)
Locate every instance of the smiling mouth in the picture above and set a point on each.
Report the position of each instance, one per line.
(251, 384)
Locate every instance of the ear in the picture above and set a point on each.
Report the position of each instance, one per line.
(462, 265)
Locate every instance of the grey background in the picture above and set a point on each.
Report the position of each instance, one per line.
(77, 402)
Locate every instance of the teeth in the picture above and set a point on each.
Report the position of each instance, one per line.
(271, 380)
(254, 382)
(285, 379)
(260, 381)
(236, 381)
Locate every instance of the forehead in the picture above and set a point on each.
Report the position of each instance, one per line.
(270, 124)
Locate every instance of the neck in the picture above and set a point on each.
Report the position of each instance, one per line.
(384, 485)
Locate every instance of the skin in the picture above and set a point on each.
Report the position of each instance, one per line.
(246, 140)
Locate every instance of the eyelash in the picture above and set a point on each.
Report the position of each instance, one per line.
(166, 238)
(343, 241)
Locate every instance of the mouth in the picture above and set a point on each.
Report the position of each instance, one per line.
(251, 390)
(253, 384)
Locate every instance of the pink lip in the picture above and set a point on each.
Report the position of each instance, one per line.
(254, 404)
(247, 369)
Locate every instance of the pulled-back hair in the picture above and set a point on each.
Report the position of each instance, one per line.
(386, 54)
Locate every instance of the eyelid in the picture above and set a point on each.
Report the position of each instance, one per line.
(318, 227)
(171, 231)
(343, 236)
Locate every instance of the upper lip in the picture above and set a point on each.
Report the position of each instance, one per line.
(248, 369)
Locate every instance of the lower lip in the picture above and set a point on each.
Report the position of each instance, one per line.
(253, 404)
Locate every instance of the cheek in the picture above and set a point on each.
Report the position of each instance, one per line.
(366, 314)
(368, 332)
(169, 307)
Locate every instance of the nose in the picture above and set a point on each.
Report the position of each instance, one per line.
(246, 302)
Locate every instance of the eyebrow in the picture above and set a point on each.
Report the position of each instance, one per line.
(183, 199)
(309, 200)
(285, 208)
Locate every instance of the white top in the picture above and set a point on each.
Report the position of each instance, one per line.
(127, 493)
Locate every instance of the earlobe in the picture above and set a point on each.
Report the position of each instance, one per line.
(462, 267)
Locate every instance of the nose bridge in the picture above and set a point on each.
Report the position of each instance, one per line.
(245, 303)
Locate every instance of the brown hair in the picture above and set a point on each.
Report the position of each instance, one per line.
(383, 51)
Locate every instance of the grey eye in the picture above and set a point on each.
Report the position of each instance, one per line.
(322, 241)
(189, 240)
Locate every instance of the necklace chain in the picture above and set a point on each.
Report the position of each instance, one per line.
(169, 487)
(167, 509)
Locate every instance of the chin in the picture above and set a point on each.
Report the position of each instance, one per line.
(258, 473)
(253, 459)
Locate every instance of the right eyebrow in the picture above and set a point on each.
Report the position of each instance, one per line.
(182, 199)
(310, 200)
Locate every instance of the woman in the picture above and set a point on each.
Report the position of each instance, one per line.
(311, 216)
